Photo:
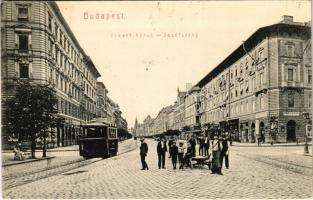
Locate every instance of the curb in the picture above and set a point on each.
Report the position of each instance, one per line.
(51, 157)
(27, 161)
(9, 151)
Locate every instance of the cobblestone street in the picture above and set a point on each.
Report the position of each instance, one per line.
(251, 175)
(64, 161)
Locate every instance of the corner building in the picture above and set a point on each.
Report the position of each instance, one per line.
(38, 46)
(263, 88)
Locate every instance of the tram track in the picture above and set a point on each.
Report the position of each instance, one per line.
(15, 181)
(299, 169)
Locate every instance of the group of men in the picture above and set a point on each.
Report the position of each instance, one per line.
(219, 151)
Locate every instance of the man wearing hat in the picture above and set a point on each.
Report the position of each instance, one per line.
(161, 149)
(143, 154)
(174, 153)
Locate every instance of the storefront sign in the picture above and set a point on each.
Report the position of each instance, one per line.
(291, 113)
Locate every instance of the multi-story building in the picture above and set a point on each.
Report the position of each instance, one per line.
(179, 111)
(147, 125)
(192, 119)
(102, 92)
(160, 122)
(90, 75)
(263, 87)
(169, 123)
(38, 46)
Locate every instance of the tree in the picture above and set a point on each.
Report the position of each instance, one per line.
(31, 112)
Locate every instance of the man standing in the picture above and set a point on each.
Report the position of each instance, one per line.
(192, 142)
(161, 149)
(201, 145)
(225, 152)
(181, 151)
(174, 153)
(169, 146)
(143, 154)
(206, 145)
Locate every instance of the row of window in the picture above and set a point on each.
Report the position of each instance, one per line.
(64, 42)
(68, 108)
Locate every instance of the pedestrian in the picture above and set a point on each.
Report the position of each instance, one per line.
(187, 157)
(18, 155)
(192, 142)
(174, 153)
(206, 145)
(259, 140)
(181, 151)
(201, 145)
(143, 154)
(225, 152)
(169, 146)
(161, 149)
(216, 148)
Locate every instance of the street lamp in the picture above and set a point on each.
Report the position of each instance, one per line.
(306, 117)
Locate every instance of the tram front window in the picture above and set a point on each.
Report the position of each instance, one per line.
(112, 133)
(95, 132)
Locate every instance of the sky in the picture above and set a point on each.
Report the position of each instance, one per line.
(143, 73)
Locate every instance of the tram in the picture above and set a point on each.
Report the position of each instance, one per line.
(98, 139)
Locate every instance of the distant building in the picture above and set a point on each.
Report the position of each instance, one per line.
(192, 119)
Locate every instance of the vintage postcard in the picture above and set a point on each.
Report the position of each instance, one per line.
(156, 99)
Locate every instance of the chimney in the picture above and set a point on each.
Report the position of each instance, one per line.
(287, 18)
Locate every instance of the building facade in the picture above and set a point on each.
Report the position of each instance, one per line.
(101, 110)
(263, 88)
(38, 46)
(192, 103)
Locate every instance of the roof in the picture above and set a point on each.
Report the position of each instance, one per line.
(97, 122)
(92, 66)
(195, 88)
(101, 83)
(251, 42)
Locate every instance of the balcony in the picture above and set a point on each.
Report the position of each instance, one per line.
(261, 89)
(23, 52)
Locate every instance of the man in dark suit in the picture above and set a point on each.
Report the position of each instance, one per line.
(143, 154)
(206, 145)
(174, 153)
(161, 149)
(201, 145)
(193, 143)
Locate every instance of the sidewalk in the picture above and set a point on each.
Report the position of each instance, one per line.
(247, 144)
(65, 152)
(67, 148)
(8, 155)
(293, 147)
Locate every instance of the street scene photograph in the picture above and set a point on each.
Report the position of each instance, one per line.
(156, 100)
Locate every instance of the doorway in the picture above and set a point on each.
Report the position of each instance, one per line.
(291, 131)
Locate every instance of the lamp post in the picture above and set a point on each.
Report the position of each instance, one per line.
(306, 117)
